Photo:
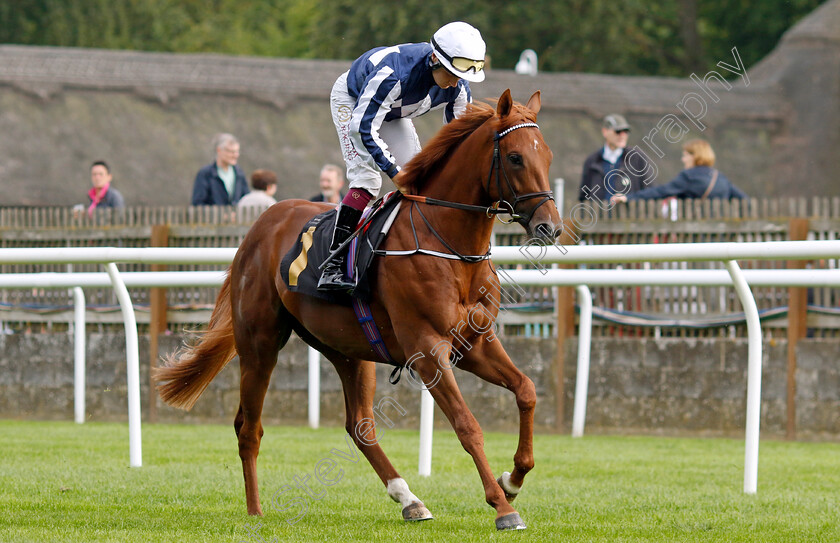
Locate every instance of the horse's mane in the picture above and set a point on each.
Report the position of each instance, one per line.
(423, 164)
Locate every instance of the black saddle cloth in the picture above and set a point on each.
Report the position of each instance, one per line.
(299, 267)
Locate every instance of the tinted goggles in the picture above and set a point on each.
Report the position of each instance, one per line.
(462, 64)
(465, 65)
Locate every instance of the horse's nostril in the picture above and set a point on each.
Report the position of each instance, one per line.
(544, 230)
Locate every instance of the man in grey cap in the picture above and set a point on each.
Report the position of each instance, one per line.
(614, 168)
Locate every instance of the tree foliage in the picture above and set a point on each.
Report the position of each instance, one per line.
(669, 37)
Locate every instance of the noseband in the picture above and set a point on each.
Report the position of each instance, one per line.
(503, 206)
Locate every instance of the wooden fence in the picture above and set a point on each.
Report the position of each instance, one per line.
(724, 221)
(532, 312)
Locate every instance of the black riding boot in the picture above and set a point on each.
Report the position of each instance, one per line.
(333, 278)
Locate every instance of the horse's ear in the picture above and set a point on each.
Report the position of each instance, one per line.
(505, 104)
(534, 103)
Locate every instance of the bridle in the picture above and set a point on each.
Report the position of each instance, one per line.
(498, 168)
(501, 206)
(497, 208)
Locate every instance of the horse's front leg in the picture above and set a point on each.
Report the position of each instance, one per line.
(358, 378)
(488, 360)
(441, 383)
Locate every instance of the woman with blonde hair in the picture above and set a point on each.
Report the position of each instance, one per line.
(699, 179)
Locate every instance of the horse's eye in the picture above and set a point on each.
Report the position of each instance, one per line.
(515, 159)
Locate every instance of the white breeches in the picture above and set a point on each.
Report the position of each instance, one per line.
(399, 136)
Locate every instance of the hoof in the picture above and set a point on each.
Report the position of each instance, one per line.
(416, 511)
(504, 482)
(511, 521)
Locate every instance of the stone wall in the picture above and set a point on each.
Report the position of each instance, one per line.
(668, 387)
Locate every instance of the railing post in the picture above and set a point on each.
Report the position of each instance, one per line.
(753, 376)
(797, 323)
(560, 194)
(427, 417)
(314, 388)
(132, 366)
(565, 304)
(584, 349)
(157, 315)
(79, 353)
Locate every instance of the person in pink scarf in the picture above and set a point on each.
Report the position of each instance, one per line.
(102, 194)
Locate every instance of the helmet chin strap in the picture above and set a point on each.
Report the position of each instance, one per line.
(434, 63)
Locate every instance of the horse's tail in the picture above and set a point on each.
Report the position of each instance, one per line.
(189, 370)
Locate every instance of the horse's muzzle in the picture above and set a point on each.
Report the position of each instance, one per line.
(545, 233)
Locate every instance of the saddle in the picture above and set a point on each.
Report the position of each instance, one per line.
(300, 266)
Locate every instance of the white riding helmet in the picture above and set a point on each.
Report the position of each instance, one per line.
(459, 47)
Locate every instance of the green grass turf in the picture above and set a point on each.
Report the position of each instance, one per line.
(67, 482)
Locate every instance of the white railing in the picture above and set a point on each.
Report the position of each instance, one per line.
(539, 256)
(583, 279)
(690, 252)
(119, 282)
(668, 252)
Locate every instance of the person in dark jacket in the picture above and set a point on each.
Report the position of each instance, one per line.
(699, 179)
(625, 168)
(221, 183)
(102, 194)
(330, 183)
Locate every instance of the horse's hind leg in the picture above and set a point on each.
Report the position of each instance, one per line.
(258, 339)
(358, 378)
(489, 361)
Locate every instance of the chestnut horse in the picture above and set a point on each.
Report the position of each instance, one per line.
(487, 161)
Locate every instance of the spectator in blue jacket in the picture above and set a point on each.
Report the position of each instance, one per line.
(372, 106)
(221, 183)
(699, 179)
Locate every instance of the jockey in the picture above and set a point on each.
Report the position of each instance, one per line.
(372, 106)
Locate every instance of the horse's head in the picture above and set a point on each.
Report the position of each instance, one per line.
(518, 179)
